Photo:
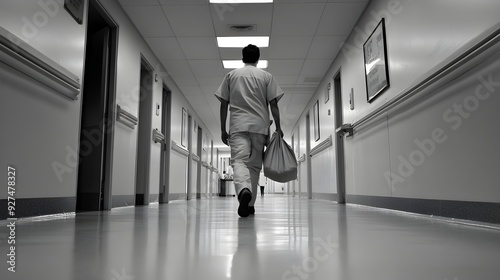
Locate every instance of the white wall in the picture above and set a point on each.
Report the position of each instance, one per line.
(415, 46)
(40, 127)
(131, 47)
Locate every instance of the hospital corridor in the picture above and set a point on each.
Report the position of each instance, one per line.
(131, 135)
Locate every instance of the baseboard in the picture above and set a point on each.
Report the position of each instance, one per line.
(467, 210)
(154, 198)
(122, 200)
(31, 207)
(325, 196)
(176, 196)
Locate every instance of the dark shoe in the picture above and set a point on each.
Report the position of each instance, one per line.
(244, 197)
(251, 210)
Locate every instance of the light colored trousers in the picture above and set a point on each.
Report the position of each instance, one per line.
(247, 150)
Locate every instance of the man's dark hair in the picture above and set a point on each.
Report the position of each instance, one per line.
(251, 54)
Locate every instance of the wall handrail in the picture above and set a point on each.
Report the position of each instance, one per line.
(321, 146)
(196, 157)
(466, 57)
(158, 137)
(125, 117)
(179, 149)
(17, 54)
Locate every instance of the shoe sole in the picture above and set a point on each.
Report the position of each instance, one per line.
(243, 210)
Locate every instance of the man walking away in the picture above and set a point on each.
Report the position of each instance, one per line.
(247, 91)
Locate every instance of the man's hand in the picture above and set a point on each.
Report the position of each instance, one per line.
(224, 104)
(280, 132)
(225, 137)
(276, 116)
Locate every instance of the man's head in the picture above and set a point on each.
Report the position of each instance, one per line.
(251, 54)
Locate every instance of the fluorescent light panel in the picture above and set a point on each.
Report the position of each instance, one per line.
(233, 64)
(239, 1)
(240, 41)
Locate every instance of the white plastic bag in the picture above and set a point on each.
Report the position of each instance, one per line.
(280, 164)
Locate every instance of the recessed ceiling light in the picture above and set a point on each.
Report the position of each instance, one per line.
(233, 64)
(241, 41)
(239, 1)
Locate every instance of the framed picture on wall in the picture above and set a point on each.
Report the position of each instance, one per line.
(207, 142)
(327, 92)
(316, 120)
(376, 66)
(184, 128)
(204, 142)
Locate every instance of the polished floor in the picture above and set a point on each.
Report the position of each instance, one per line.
(288, 238)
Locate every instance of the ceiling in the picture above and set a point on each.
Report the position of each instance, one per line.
(305, 37)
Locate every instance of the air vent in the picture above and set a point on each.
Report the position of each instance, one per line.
(242, 27)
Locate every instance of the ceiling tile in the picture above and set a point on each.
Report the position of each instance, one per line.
(191, 90)
(206, 68)
(182, 2)
(166, 48)
(210, 81)
(350, 1)
(257, 15)
(199, 47)
(325, 47)
(289, 47)
(315, 68)
(285, 80)
(210, 90)
(193, 20)
(285, 67)
(340, 18)
(298, 19)
(150, 20)
(300, 1)
(180, 72)
(139, 2)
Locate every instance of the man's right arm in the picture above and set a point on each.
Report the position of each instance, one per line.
(224, 104)
(276, 115)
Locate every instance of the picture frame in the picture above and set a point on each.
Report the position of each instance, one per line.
(204, 139)
(184, 128)
(316, 120)
(327, 92)
(375, 59)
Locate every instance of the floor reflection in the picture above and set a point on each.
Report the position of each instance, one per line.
(287, 238)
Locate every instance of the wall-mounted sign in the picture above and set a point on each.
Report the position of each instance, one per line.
(75, 9)
(376, 67)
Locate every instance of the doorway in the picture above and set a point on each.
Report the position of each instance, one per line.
(97, 117)
(199, 151)
(339, 142)
(165, 151)
(189, 188)
(144, 134)
(308, 156)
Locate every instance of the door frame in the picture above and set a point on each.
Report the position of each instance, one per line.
(339, 139)
(166, 123)
(144, 131)
(190, 157)
(109, 120)
(308, 156)
(199, 151)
